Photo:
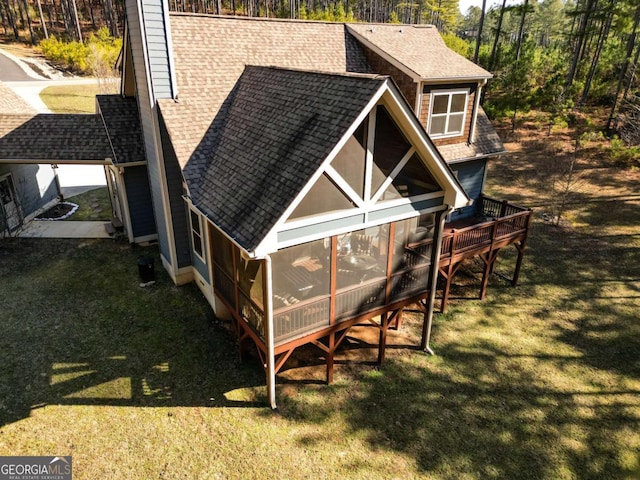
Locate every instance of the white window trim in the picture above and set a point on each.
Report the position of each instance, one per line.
(451, 93)
(201, 235)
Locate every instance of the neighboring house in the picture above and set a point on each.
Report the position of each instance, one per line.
(25, 189)
(299, 172)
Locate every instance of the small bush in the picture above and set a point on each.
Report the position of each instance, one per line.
(92, 57)
(622, 154)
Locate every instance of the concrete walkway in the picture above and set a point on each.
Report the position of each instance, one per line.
(64, 229)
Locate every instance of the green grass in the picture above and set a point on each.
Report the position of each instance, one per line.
(93, 205)
(536, 382)
(70, 98)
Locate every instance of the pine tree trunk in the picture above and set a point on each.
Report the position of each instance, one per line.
(42, 22)
(602, 38)
(630, 46)
(12, 20)
(521, 30)
(494, 49)
(26, 12)
(479, 37)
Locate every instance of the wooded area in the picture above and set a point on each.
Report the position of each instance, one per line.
(550, 54)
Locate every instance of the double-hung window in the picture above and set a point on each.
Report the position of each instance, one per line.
(196, 234)
(447, 113)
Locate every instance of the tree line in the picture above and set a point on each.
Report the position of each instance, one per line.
(550, 54)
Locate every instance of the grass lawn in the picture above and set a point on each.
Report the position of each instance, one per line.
(71, 98)
(541, 381)
(93, 205)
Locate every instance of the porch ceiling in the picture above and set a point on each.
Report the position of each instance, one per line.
(54, 138)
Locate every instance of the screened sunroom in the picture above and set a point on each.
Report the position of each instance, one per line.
(355, 241)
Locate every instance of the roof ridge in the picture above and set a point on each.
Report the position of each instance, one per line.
(369, 76)
(255, 19)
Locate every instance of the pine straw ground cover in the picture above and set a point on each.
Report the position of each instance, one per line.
(541, 381)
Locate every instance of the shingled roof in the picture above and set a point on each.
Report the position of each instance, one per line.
(60, 138)
(487, 143)
(211, 52)
(420, 49)
(276, 129)
(122, 121)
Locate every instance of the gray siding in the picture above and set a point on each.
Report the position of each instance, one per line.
(27, 188)
(471, 175)
(146, 104)
(136, 181)
(157, 47)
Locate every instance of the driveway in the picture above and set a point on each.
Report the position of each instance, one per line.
(11, 70)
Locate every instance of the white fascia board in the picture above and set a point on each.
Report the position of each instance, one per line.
(392, 60)
(410, 125)
(272, 235)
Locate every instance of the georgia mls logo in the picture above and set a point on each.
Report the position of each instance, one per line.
(36, 468)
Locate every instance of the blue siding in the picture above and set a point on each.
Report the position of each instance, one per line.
(26, 185)
(136, 181)
(202, 268)
(471, 175)
(177, 204)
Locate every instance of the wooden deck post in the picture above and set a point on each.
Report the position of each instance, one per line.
(382, 343)
(520, 247)
(427, 320)
(330, 354)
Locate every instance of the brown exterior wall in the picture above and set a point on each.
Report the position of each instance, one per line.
(424, 111)
(406, 84)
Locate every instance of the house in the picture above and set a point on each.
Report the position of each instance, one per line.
(302, 172)
(307, 176)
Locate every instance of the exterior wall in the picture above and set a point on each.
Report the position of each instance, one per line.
(34, 184)
(157, 43)
(179, 210)
(136, 180)
(405, 82)
(424, 110)
(471, 176)
(149, 39)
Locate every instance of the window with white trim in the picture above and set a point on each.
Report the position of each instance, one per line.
(196, 234)
(447, 112)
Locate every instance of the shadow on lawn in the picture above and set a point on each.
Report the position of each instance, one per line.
(77, 329)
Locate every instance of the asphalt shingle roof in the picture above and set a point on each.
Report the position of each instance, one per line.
(122, 121)
(211, 52)
(487, 142)
(276, 129)
(53, 137)
(419, 48)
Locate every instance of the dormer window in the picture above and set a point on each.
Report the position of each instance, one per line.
(447, 113)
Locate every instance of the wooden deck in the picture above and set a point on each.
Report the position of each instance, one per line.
(497, 225)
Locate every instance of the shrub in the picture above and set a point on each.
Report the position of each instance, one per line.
(98, 54)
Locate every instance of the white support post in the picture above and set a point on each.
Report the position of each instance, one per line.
(435, 260)
(271, 360)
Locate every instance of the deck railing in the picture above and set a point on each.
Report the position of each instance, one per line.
(503, 223)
